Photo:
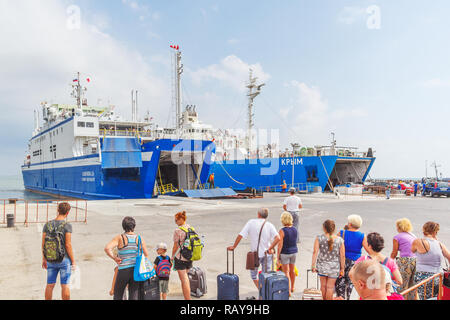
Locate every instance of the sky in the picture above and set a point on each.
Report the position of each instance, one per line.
(374, 72)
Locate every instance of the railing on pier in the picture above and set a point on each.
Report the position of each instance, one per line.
(424, 283)
(166, 188)
(299, 187)
(41, 211)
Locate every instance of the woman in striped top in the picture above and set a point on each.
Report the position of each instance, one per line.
(127, 249)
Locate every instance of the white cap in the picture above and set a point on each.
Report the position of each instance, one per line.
(161, 245)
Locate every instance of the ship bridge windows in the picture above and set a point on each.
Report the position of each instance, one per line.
(81, 124)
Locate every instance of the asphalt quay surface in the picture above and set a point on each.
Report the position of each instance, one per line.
(218, 220)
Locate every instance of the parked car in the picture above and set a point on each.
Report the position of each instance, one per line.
(406, 187)
(437, 189)
(379, 187)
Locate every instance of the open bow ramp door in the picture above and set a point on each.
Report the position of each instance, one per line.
(121, 153)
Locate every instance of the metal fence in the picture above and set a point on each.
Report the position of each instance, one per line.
(305, 187)
(41, 211)
(424, 283)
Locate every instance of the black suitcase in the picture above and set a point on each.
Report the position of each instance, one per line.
(149, 289)
(228, 284)
(197, 281)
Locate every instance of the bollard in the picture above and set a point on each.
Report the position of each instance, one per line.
(10, 221)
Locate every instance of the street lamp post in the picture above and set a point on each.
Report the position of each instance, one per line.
(294, 147)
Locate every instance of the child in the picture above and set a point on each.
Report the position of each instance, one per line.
(163, 264)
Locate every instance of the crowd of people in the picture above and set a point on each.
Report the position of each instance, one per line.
(345, 272)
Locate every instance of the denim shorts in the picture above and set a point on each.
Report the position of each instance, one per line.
(64, 268)
(288, 258)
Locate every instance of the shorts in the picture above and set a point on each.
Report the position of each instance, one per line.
(333, 276)
(64, 268)
(267, 268)
(288, 258)
(182, 265)
(164, 286)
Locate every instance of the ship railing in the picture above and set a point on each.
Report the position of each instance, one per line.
(41, 211)
(127, 133)
(426, 284)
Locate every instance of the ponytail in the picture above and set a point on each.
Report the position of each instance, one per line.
(329, 226)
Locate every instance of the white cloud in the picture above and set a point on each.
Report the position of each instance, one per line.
(40, 55)
(350, 15)
(143, 10)
(231, 71)
(309, 115)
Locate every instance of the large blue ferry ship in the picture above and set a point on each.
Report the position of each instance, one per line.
(90, 152)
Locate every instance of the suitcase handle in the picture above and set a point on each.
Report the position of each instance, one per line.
(228, 263)
(265, 263)
(307, 279)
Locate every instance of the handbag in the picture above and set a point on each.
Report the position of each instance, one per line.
(143, 269)
(253, 256)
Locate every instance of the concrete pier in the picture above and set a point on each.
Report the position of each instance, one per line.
(22, 277)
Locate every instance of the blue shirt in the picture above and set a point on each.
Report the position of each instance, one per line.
(353, 241)
(289, 240)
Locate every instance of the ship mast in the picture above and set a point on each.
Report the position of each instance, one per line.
(77, 92)
(253, 91)
(178, 71)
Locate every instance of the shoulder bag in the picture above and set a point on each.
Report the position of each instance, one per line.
(253, 256)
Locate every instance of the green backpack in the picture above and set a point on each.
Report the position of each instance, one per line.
(192, 246)
(54, 248)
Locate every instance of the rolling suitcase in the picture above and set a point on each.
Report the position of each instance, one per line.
(149, 289)
(197, 280)
(228, 283)
(273, 285)
(311, 293)
(446, 286)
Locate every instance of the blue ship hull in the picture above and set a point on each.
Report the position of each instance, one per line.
(269, 174)
(104, 178)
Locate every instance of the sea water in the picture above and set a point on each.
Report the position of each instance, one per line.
(11, 186)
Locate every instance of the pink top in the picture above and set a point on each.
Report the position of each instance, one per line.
(179, 236)
(390, 264)
(395, 296)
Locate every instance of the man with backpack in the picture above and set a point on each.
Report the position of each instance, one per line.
(57, 253)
